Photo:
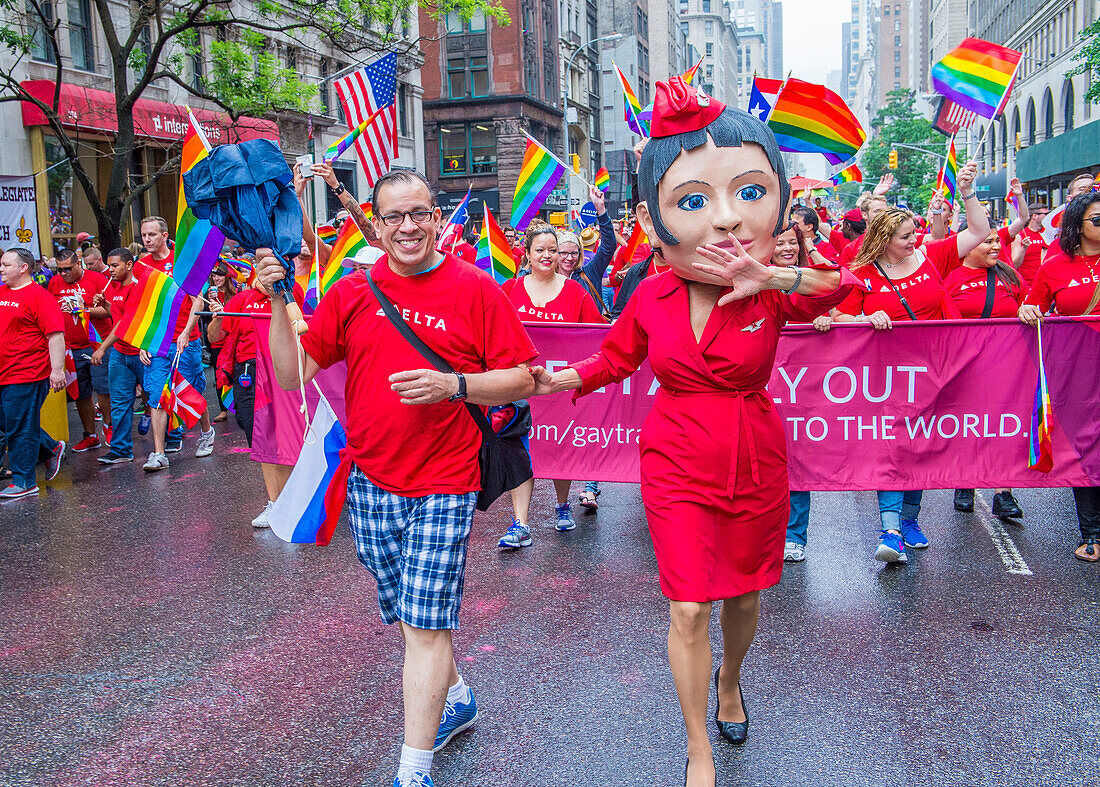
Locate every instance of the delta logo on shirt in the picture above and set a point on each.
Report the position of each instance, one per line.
(910, 282)
(980, 285)
(540, 314)
(1084, 280)
(416, 318)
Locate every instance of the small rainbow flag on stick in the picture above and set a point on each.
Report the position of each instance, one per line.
(348, 243)
(225, 396)
(152, 322)
(602, 181)
(977, 75)
(313, 286)
(1040, 449)
(633, 108)
(949, 172)
(198, 242)
(847, 175)
(809, 118)
(539, 174)
(493, 253)
(327, 234)
(337, 148)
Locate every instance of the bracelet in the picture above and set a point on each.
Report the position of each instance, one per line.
(797, 281)
(461, 395)
(338, 190)
(967, 196)
(935, 212)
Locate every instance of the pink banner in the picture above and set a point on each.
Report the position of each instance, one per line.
(931, 405)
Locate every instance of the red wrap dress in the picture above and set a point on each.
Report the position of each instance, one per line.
(713, 448)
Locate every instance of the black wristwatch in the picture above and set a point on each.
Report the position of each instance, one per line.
(338, 190)
(461, 395)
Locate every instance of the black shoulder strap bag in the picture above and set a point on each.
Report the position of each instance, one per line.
(505, 463)
(897, 292)
(990, 291)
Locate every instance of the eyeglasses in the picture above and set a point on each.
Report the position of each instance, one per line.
(569, 254)
(418, 216)
(1094, 220)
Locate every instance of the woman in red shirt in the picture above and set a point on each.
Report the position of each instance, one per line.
(984, 287)
(544, 295)
(1068, 283)
(906, 283)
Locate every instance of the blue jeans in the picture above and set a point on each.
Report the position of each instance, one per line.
(800, 517)
(593, 487)
(608, 297)
(125, 372)
(896, 506)
(21, 404)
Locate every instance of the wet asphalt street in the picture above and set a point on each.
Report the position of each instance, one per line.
(150, 637)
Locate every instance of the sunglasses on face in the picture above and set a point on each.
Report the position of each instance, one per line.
(1094, 220)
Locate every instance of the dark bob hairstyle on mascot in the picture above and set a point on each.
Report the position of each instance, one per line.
(730, 129)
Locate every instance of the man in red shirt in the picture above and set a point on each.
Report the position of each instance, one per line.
(875, 205)
(821, 211)
(411, 463)
(75, 289)
(32, 361)
(154, 237)
(817, 245)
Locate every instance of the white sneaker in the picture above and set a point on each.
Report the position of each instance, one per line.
(155, 462)
(793, 552)
(261, 520)
(205, 445)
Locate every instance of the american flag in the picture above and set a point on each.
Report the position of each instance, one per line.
(361, 93)
(952, 118)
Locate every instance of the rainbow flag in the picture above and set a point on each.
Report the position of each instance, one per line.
(847, 175)
(198, 242)
(368, 210)
(348, 243)
(337, 148)
(152, 322)
(493, 252)
(1013, 202)
(1040, 449)
(538, 175)
(949, 172)
(977, 75)
(225, 396)
(602, 181)
(313, 286)
(632, 108)
(809, 118)
(239, 269)
(327, 234)
(689, 75)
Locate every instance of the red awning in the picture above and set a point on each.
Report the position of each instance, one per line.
(85, 109)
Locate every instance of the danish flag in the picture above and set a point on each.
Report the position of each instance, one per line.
(181, 401)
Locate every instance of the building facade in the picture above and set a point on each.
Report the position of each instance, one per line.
(891, 47)
(487, 86)
(709, 25)
(87, 108)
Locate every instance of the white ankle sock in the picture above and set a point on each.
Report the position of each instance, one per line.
(459, 692)
(414, 760)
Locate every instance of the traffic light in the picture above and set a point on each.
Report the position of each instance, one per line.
(893, 159)
(576, 164)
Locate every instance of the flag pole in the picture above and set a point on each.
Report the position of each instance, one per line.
(568, 169)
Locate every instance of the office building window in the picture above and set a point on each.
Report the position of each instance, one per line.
(457, 26)
(708, 26)
(897, 25)
(80, 35)
(709, 49)
(403, 110)
(468, 77)
(706, 6)
(886, 10)
(467, 149)
(897, 71)
(322, 89)
(897, 56)
(196, 60)
(41, 43)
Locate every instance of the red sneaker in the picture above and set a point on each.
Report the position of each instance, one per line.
(87, 444)
(107, 432)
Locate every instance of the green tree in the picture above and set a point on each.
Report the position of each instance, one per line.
(1088, 59)
(915, 177)
(148, 43)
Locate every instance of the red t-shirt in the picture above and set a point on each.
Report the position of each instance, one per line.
(1066, 284)
(849, 252)
(465, 251)
(923, 291)
(966, 287)
(250, 301)
(822, 213)
(27, 316)
(618, 262)
(826, 250)
(164, 266)
(572, 304)
(458, 311)
(118, 295)
(79, 295)
(838, 241)
(1033, 255)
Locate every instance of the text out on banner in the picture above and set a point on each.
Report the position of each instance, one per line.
(18, 216)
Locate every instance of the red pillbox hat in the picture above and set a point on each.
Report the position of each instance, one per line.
(679, 108)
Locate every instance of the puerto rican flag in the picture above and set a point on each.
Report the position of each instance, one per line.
(456, 225)
(763, 96)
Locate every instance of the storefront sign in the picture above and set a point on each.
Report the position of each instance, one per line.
(18, 220)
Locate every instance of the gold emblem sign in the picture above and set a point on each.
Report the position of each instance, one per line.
(23, 235)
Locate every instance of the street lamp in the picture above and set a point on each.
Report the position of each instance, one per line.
(565, 93)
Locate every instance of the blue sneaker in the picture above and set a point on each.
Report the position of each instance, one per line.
(518, 535)
(415, 779)
(565, 518)
(891, 548)
(457, 716)
(912, 535)
(144, 424)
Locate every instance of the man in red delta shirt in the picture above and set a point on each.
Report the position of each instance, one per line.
(32, 361)
(154, 237)
(75, 290)
(412, 472)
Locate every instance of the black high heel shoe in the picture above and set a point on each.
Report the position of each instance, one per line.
(736, 732)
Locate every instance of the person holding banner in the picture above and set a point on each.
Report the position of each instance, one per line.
(905, 282)
(713, 449)
(1068, 283)
(984, 287)
(546, 295)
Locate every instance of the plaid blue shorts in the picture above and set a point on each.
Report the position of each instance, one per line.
(415, 547)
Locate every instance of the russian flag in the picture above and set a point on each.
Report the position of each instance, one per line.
(305, 513)
(456, 224)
